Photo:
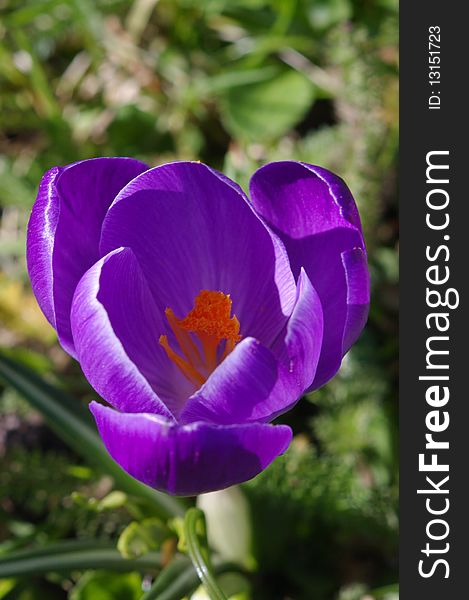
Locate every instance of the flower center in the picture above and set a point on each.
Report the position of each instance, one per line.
(206, 335)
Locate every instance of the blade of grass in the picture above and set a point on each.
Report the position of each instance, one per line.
(61, 547)
(179, 579)
(47, 103)
(178, 572)
(56, 560)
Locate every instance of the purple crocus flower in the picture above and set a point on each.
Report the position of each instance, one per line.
(198, 315)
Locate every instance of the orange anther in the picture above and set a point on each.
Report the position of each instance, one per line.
(210, 322)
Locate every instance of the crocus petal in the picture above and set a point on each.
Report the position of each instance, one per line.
(358, 294)
(190, 459)
(116, 327)
(239, 389)
(40, 243)
(64, 231)
(300, 350)
(256, 384)
(315, 216)
(192, 229)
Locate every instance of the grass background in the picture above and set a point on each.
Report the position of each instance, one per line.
(234, 83)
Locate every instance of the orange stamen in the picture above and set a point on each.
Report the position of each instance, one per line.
(187, 369)
(210, 321)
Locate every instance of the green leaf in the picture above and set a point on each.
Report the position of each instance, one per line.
(177, 526)
(71, 556)
(266, 110)
(196, 539)
(178, 574)
(99, 585)
(73, 424)
(179, 579)
(234, 78)
(139, 538)
(62, 547)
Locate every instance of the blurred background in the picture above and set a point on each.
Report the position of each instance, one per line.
(233, 83)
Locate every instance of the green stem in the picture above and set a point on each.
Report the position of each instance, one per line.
(195, 534)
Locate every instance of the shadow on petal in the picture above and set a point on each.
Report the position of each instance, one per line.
(190, 459)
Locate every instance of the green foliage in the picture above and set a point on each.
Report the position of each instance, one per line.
(97, 585)
(323, 14)
(235, 83)
(68, 555)
(49, 497)
(266, 110)
(139, 538)
(319, 497)
(72, 423)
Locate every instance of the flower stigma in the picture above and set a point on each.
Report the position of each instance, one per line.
(206, 335)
